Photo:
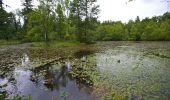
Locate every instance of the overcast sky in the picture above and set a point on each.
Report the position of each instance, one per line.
(119, 9)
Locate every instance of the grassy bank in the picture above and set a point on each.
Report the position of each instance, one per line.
(9, 42)
(53, 44)
(56, 44)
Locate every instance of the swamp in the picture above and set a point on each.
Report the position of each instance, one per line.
(104, 70)
(84, 49)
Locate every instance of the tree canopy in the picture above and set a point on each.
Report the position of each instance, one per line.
(77, 20)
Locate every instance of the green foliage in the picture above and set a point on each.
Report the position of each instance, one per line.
(40, 23)
(156, 28)
(28, 8)
(35, 27)
(17, 97)
(2, 96)
(7, 29)
(83, 14)
(28, 97)
(64, 94)
(60, 22)
(112, 31)
(9, 42)
(76, 20)
(56, 44)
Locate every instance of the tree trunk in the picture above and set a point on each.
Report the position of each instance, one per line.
(86, 19)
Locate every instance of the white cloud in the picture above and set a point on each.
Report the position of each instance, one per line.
(119, 9)
(15, 4)
(124, 11)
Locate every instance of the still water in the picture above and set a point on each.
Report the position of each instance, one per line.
(108, 70)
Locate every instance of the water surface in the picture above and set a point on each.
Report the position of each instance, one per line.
(108, 70)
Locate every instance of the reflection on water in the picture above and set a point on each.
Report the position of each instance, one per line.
(136, 71)
(83, 53)
(45, 83)
(25, 60)
(114, 60)
(130, 69)
(52, 78)
(3, 82)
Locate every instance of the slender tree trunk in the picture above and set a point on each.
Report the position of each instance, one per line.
(47, 23)
(67, 22)
(86, 19)
(15, 22)
(45, 32)
(78, 21)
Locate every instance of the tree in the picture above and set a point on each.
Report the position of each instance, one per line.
(35, 27)
(60, 21)
(28, 7)
(136, 30)
(7, 29)
(85, 12)
(45, 11)
(75, 18)
(1, 3)
(90, 10)
(67, 9)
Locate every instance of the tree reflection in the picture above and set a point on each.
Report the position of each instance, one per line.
(52, 78)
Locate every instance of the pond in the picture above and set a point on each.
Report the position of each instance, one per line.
(105, 70)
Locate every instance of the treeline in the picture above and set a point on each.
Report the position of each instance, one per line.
(148, 29)
(75, 20)
(51, 20)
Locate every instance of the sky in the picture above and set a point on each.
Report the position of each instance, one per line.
(118, 10)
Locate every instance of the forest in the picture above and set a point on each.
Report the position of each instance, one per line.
(62, 50)
(76, 20)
